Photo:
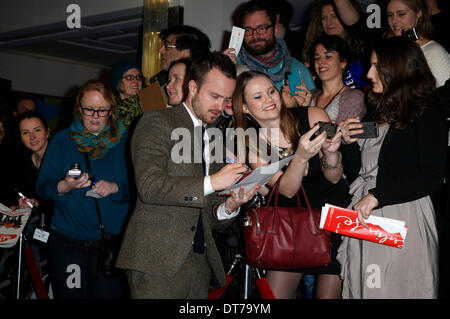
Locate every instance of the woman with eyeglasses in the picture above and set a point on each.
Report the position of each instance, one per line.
(97, 136)
(127, 81)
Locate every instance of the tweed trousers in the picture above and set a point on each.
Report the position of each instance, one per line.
(190, 282)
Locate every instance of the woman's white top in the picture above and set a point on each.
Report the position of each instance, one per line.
(438, 60)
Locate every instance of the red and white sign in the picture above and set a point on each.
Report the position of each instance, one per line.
(382, 230)
(12, 223)
(5, 237)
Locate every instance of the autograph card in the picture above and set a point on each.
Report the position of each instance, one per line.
(236, 39)
(92, 193)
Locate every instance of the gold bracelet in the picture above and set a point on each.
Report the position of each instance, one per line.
(328, 166)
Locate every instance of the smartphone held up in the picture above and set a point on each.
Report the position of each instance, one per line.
(370, 130)
(328, 127)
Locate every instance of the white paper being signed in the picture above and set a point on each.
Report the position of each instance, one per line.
(260, 175)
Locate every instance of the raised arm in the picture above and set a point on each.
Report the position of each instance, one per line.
(348, 14)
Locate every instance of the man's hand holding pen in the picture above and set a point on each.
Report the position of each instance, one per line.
(227, 175)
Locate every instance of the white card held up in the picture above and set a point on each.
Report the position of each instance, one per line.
(260, 175)
(236, 39)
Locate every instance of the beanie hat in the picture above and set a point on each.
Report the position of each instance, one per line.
(118, 71)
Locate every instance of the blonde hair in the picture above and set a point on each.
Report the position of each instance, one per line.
(99, 86)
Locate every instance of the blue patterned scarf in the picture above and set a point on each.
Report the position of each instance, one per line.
(96, 146)
(283, 55)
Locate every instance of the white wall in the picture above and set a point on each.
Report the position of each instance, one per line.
(49, 76)
(43, 76)
(20, 14)
(211, 16)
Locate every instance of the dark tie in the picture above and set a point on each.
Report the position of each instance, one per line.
(203, 151)
(199, 238)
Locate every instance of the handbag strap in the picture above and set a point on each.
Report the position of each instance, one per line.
(315, 230)
(97, 207)
(274, 191)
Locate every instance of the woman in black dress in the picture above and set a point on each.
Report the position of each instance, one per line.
(317, 166)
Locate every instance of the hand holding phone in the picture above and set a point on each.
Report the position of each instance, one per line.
(328, 127)
(75, 171)
(370, 130)
(411, 33)
(294, 79)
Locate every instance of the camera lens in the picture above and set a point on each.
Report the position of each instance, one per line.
(75, 170)
(75, 166)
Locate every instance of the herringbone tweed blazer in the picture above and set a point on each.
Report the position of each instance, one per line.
(160, 232)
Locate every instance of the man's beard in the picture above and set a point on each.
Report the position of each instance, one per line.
(197, 107)
(261, 50)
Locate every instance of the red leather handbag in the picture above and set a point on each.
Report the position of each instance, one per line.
(285, 237)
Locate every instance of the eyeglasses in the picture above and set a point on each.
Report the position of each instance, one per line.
(262, 29)
(167, 45)
(131, 77)
(90, 112)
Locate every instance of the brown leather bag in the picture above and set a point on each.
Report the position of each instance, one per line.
(285, 237)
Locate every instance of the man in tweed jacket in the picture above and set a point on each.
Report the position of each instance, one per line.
(158, 249)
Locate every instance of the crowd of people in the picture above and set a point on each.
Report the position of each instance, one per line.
(151, 179)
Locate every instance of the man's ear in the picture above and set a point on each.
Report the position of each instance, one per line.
(185, 53)
(193, 87)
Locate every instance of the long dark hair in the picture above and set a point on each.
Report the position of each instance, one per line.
(408, 83)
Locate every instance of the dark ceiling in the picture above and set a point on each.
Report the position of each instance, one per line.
(102, 39)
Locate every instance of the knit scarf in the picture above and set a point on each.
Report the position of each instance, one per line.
(282, 56)
(96, 146)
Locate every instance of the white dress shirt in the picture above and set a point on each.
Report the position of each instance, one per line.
(207, 187)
